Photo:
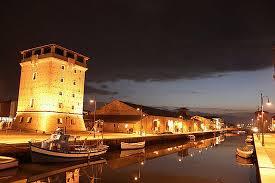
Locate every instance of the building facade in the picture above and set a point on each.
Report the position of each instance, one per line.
(263, 121)
(7, 113)
(51, 89)
(125, 117)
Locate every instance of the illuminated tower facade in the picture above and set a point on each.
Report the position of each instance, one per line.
(51, 89)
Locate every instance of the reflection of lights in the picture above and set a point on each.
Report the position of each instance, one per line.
(142, 163)
(199, 151)
(169, 149)
(126, 125)
(156, 152)
(255, 129)
(179, 159)
(136, 178)
(191, 155)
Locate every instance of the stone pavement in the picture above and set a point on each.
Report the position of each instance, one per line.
(16, 137)
(266, 157)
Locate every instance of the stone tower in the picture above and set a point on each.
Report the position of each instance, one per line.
(51, 89)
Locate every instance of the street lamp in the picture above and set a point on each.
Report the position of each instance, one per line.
(93, 101)
(262, 114)
(139, 109)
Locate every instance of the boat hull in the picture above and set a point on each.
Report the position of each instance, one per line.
(244, 154)
(137, 145)
(39, 155)
(8, 163)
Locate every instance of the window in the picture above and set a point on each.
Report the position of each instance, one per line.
(63, 67)
(60, 105)
(62, 80)
(29, 119)
(34, 76)
(32, 102)
(59, 121)
(61, 93)
(73, 95)
(72, 122)
(72, 107)
(74, 82)
(75, 71)
(21, 119)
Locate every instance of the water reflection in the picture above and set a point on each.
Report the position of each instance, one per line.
(203, 160)
(90, 171)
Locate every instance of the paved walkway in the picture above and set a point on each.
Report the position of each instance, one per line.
(266, 157)
(16, 137)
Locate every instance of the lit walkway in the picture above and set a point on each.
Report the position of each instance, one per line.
(266, 158)
(15, 137)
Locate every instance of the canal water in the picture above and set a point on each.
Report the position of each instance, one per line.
(202, 161)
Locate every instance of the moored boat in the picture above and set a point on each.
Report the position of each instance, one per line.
(7, 162)
(245, 152)
(191, 137)
(57, 149)
(132, 145)
(248, 140)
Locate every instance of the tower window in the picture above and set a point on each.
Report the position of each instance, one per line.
(61, 93)
(59, 121)
(72, 122)
(32, 102)
(72, 107)
(62, 80)
(63, 67)
(34, 76)
(60, 105)
(73, 95)
(75, 71)
(29, 119)
(21, 119)
(74, 83)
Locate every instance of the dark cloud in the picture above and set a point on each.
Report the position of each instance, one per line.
(93, 90)
(142, 40)
(104, 86)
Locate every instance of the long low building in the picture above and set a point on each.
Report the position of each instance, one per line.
(125, 117)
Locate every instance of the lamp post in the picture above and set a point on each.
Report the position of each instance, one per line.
(93, 101)
(140, 109)
(262, 114)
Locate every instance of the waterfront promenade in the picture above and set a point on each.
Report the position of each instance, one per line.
(12, 142)
(266, 157)
(15, 137)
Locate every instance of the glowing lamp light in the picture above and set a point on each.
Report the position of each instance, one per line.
(179, 159)
(136, 178)
(138, 109)
(92, 101)
(255, 129)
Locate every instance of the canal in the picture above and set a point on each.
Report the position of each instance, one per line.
(204, 160)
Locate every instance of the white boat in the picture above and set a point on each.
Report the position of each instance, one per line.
(248, 140)
(191, 137)
(249, 137)
(134, 145)
(57, 149)
(245, 152)
(7, 162)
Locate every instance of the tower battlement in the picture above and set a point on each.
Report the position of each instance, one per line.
(54, 50)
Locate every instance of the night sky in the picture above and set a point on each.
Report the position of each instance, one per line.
(202, 54)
